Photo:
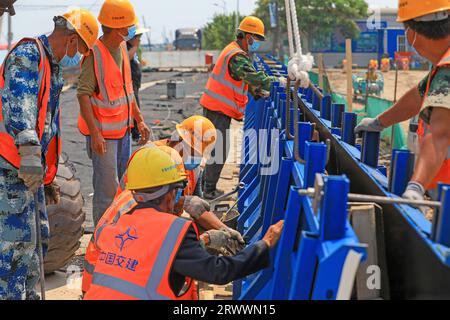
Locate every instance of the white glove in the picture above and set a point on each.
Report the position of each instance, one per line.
(31, 171)
(414, 191)
(282, 81)
(218, 238)
(195, 206)
(236, 235)
(298, 68)
(370, 125)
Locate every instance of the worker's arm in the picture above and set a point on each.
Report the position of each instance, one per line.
(241, 68)
(433, 148)
(142, 127)
(407, 107)
(194, 261)
(20, 94)
(87, 85)
(132, 47)
(209, 220)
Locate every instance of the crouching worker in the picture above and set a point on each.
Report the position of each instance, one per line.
(151, 253)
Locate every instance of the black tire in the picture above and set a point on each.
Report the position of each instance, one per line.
(65, 219)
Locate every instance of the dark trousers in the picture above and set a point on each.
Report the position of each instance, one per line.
(212, 171)
(135, 131)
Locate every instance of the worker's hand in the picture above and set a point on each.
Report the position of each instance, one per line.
(31, 171)
(144, 131)
(282, 81)
(264, 94)
(298, 68)
(52, 194)
(273, 234)
(370, 125)
(98, 143)
(236, 235)
(217, 239)
(195, 206)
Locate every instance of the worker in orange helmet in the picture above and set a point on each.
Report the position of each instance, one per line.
(428, 31)
(150, 253)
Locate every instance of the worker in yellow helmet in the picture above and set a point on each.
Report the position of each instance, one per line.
(107, 102)
(428, 32)
(226, 91)
(150, 253)
(31, 82)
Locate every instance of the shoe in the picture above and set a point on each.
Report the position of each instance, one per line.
(210, 195)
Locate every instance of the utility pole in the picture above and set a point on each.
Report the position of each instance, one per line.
(10, 34)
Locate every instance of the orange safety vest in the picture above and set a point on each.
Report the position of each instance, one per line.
(223, 93)
(137, 253)
(423, 129)
(112, 105)
(8, 148)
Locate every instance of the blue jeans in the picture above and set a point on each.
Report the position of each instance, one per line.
(108, 169)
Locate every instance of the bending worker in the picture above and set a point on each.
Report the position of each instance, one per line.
(196, 207)
(107, 103)
(226, 91)
(151, 253)
(31, 82)
(428, 31)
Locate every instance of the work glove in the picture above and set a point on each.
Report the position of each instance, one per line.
(195, 206)
(369, 124)
(298, 67)
(52, 194)
(415, 191)
(282, 81)
(31, 171)
(236, 235)
(218, 238)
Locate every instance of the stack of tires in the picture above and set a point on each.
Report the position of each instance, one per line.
(66, 219)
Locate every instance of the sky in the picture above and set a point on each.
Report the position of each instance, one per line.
(161, 16)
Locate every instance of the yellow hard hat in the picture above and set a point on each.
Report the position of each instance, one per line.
(253, 25)
(412, 9)
(198, 132)
(117, 14)
(84, 24)
(175, 157)
(151, 167)
(141, 30)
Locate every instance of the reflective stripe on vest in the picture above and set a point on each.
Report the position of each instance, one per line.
(149, 292)
(223, 93)
(112, 105)
(8, 148)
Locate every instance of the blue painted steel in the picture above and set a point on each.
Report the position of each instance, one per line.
(370, 148)
(305, 130)
(348, 127)
(443, 218)
(325, 108)
(337, 109)
(402, 167)
(315, 157)
(336, 131)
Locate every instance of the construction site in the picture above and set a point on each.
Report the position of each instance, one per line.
(328, 190)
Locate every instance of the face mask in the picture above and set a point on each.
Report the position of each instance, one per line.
(192, 162)
(415, 37)
(254, 46)
(131, 33)
(178, 195)
(67, 62)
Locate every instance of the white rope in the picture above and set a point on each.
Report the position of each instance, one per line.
(296, 29)
(289, 28)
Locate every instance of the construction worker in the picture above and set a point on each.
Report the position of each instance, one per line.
(31, 82)
(134, 55)
(107, 103)
(150, 253)
(225, 96)
(428, 31)
(197, 208)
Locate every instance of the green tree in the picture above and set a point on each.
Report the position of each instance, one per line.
(219, 32)
(318, 18)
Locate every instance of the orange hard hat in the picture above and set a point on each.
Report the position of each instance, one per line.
(198, 132)
(253, 25)
(412, 9)
(117, 14)
(84, 24)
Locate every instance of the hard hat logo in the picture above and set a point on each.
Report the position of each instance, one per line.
(421, 10)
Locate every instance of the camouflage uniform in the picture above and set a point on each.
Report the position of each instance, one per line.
(241, 68)
(438, 95)
(19, 267)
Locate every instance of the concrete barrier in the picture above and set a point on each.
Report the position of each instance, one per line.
(178, 59)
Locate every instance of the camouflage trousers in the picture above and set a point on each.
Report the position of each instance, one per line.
(19, 262)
